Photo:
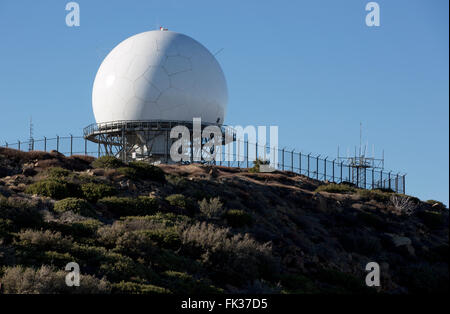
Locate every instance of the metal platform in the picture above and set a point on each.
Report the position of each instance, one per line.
(143, 140)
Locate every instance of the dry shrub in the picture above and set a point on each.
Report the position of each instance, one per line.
(211, 209)
(234, 258)
(403, 205)
(46, 280)
(44, 240)
(109, 234)
(135, 244)
(76, 205)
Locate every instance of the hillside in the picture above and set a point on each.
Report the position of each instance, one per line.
(207, 229)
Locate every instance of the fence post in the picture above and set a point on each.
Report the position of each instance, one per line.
(85, 147)
(389, 179)
(228, 155)
(325, 169)
(19, 144)
(98, 154)
(308, 163)
(357, 177)
(342, 164)
(404, 182)
(45, 144)
(300, 162)
(333, 169)
(71, 144)
(247, 152)
(373, 178)
(381, 179)
(317, 167)
(365, 177)
(238, 154)
(292, 160)
(282, 159)
(396, 184)
(274, 152)
(6, 144)
(57, 143)
(32, 144)
(350, 179)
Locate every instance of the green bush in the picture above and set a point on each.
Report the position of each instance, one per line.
(336, 188)
(21, 213)
(57, 259)
(184, 283)
(377, 195)
(165, 238)
(54, 188)
(128, 206)
(95, 191)
(257, 165)
(179, 182)
(107, 162)
(299, 284)
(169, 260)
(128, 172)
(135, 244)
(86, 228)
(211, 209)
(89, 256)
(58, 173)
(385, 190)
(117, 267)
(238, 218)
(169, 219)
(76, 205)
(81, 229)
(179, 200)
(137, 288)
(148, 172)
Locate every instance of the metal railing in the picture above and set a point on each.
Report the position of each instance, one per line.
(242, 155)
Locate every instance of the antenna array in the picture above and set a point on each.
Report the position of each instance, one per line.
(361, 160)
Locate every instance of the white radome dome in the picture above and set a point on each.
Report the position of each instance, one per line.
(159, 75)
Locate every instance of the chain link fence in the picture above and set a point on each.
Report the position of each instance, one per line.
(243, 155)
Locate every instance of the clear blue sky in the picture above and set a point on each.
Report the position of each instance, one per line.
(312, 67)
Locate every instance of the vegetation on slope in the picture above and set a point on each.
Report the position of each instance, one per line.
(137, 228)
